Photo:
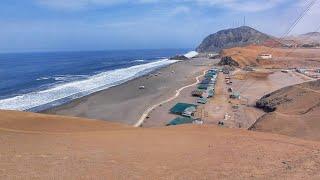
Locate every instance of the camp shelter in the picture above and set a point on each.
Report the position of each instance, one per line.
(209, 75)
(202, 100)
(210, 93)
(203, 86)
(189, 112)
(180, 108)
(235, 95)
(180, 120)
(197, 93)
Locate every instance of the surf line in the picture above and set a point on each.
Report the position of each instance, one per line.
(148, 111)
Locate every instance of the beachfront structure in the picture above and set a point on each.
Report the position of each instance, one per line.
(189, 112)
(211, 93)
(203, 100)
(183, 108)
(211, 75)
(198, 121)
(207, 82)
(180, 120)
(235, 95)
(197, 93)
(203, 86)
(184, 120)
(213, 71)
(265, 56)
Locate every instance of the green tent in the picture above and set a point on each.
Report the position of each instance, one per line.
(180, 120)
(202, 100)
(211, 93)
(203, 86)
(180, 108)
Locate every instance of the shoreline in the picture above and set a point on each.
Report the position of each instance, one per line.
(48, 107)
(125, 103)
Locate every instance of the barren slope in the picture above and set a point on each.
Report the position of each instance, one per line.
(312, 38)
(68, 148)
(229, 38)
(297, 112)
(282, 57)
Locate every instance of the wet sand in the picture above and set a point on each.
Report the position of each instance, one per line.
(126, 103)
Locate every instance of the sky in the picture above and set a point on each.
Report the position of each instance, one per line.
(77, 25)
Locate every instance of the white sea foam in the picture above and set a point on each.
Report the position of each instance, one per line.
(63, 78)
(68, 78)
(80, 88)
(43, 78)
(191, 54)
(139, 60)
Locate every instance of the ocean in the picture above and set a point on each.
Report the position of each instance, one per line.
(38, 81)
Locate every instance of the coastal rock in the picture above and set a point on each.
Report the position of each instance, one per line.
(232, 38)
(179, 57)
(227, 60)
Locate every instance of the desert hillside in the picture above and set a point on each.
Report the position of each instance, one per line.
(229, 38)
(54, 147)
(294, 111)
(311, 39)
(282, 57)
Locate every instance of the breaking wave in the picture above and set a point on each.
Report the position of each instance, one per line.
(139, 60)
(68, 91)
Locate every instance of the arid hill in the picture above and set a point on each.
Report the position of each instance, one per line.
(54, 147)
(296, 111)
(311, 39)
(281, 57)
(229, 38)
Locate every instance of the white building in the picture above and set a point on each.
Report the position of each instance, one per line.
(265, 56)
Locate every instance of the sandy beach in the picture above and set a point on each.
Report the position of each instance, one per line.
(126, 103)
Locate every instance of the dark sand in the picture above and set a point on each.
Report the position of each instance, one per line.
(126, 103)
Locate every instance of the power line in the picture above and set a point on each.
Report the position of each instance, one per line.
(294, 24)
(309, 6)
(289, 53)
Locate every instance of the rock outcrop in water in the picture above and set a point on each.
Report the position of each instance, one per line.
(232, 38)
(179, 57)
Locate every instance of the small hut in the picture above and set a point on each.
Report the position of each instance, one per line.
(181, 107)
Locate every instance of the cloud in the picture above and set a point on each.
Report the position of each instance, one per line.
(80, 4)
(310, 22)
(243, 5)
(180, 10)
(238, 5)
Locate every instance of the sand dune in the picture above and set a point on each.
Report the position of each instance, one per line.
(297, 113)
(32, 122)
(42, 147)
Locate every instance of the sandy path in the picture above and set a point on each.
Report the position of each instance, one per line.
(147, 112)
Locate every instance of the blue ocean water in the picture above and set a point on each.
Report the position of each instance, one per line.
(35, 81)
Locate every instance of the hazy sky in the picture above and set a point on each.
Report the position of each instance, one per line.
(65, 25)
